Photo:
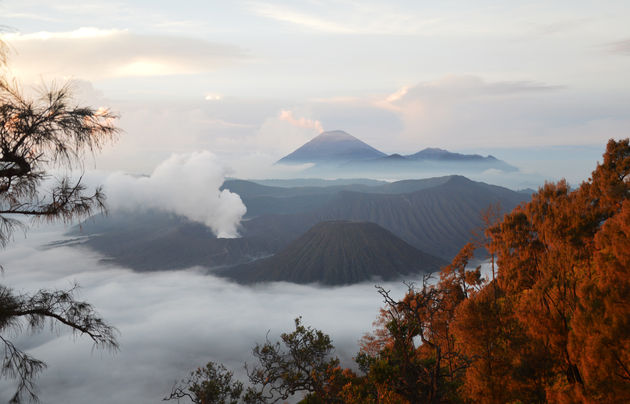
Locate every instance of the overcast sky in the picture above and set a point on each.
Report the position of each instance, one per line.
(252, 80)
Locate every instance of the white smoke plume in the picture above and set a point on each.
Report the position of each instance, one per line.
(185, 184)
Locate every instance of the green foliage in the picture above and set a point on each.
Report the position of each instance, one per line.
(34, 311)
(212, 384)
(300, 362)
(37, 135)
(297, 363)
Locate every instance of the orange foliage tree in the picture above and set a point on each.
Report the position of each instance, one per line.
(553, 326)
(564, 269)
(413, 355)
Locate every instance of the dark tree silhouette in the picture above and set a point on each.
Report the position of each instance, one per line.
(38, 135)
(300, 363)
(212, 384)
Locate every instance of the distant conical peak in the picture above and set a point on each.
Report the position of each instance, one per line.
(334, 136)
(333, 146)
(333, 133)
(458, 179)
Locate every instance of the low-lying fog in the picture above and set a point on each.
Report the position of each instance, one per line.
(169, 322)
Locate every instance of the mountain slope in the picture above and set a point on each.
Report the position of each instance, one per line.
(332, 147)
(339, 253)
(267, 200)
(156, 241)
(438, 219)
(262, 200)
(434, 215)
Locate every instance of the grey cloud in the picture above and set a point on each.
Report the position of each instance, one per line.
(119, 54)
(620, 47)
(154, 130)
(474, 86)
(513, 87)
(346, 17)
(468, 112)
(562, 26)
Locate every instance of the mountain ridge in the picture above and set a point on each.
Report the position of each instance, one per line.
(434, 215)
(337, 151)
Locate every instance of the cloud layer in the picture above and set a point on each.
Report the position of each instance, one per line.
(169, 322)
(185, 184)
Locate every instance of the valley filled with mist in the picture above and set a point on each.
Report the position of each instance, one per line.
(169, 321)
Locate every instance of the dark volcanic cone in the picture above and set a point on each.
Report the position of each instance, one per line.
(339, 253)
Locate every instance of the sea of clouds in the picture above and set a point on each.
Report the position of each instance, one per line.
(169, 322)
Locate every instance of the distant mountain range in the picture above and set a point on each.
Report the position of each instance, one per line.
(435, 154)
(339, 253)
(435, 216)
(339, 153)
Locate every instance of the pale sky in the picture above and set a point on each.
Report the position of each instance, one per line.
(252, 80)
